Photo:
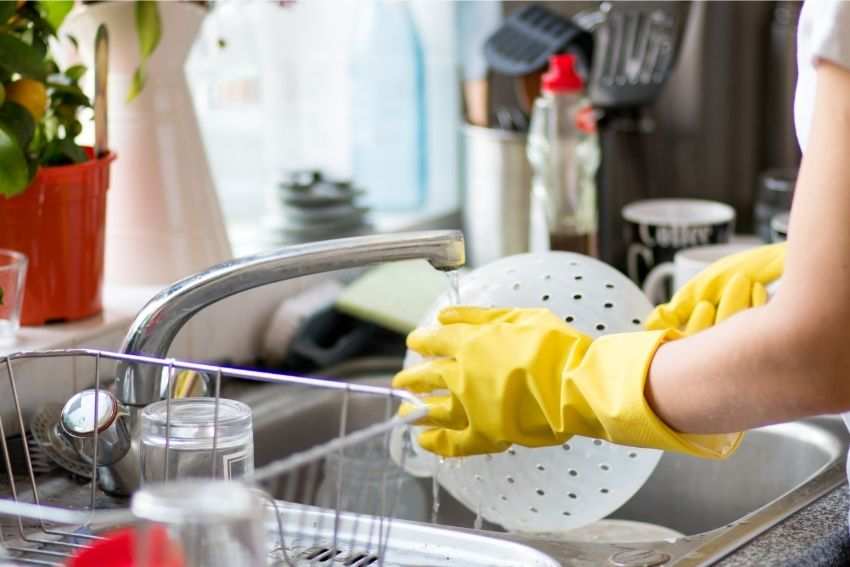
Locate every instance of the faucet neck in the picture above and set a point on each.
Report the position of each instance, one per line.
(158, 323)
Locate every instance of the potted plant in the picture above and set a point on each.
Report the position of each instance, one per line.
(52, 190)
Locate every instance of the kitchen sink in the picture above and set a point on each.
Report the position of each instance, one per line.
(716, 505)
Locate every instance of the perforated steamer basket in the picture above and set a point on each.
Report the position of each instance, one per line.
(553, 489)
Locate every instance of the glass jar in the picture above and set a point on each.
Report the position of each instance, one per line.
(191, 435)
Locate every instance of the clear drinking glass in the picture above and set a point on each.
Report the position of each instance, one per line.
(13, 271)
(191, 433)
(199, 523)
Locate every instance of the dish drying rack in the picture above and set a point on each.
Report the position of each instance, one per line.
(38, 526)
(36, 529)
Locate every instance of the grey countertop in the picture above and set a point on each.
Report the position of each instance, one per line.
(818, 535)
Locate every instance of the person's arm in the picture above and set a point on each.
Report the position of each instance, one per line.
(790, 358)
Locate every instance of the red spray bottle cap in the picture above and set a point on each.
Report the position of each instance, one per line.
(562, 76)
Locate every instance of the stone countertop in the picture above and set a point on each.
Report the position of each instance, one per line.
(818, 535)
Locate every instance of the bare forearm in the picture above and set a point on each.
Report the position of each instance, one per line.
(745, 373)
(788, 359)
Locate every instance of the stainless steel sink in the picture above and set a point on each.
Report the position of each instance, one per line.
(718, 505)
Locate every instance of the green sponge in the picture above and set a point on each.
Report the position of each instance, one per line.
(397, 295)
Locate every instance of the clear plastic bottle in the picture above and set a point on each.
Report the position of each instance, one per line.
(563, 150)
(388, 107)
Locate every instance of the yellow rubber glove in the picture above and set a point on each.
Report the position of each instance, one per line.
(523, 376)
(726, 287)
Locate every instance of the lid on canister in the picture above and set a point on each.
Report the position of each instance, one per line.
(78, 415)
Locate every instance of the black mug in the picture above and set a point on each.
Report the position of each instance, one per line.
(658, 228)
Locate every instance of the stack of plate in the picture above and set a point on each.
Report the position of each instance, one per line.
(310, 207)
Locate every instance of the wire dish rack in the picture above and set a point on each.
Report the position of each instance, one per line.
(44, 525)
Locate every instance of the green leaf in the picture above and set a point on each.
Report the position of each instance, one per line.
(18, 57)
(7, 10)
(14, 172)
(148, 30)
(39, 43)
(54, 11)
(63, 151)
(69, 94)
(137, 84)
(17, 121)
(75, 72)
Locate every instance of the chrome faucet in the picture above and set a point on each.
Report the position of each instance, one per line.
(156, 325)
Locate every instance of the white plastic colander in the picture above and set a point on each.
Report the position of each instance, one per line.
(553, 489)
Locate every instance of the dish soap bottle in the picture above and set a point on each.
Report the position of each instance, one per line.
(388, 107)
(563, 150)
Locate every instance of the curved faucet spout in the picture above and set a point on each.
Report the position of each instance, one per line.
(158, 322)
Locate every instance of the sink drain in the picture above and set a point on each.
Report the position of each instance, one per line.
(327, 555)
(639, 558)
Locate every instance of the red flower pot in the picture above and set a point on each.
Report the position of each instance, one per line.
(59, 223)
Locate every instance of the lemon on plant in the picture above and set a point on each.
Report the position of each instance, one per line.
(30, 94)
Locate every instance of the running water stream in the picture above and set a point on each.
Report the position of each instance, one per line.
(453, 278)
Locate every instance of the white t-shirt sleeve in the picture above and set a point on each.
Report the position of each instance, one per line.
(823, 32)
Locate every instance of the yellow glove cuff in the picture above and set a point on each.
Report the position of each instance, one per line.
(612, 378)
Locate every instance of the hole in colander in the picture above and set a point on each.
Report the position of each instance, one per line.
(545, 297)
(603, 490)
(578, 277)
(573, 263)
(605, 467)
(632, 455)
(503, 498)
(567, 446)
(597, 442)
(565, 513)
(609, 285)
(573, 495)
(608, 305)
(569, 318)
(547, 277)
(512, 452)
(573, 472)
(540, 492)
(478, 478)
(510, 479)
(576, 296)
(600, 326)
(533, 510)
(515, 286)
(541, 468)
(636, 321)
(511, 271)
